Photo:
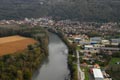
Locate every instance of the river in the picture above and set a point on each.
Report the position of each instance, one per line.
(55, 66)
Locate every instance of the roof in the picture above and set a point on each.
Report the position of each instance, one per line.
(97, 73)
(93, 42)
(116, 40)
(89, 46)
(109, 48)
(105, 40)
(95, 38)
(77, 38)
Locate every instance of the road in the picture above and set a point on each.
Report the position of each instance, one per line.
(81, 75)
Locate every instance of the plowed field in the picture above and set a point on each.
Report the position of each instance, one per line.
(12, 44)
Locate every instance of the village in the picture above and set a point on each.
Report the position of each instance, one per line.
(98, 44)
(98, 48)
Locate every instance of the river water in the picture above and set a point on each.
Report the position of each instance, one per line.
(55, 66)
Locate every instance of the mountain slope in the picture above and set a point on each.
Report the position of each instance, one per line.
(84, 10)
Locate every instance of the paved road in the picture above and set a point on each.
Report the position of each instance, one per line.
(81, 75)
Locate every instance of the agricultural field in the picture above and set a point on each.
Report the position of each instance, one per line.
(12, 44)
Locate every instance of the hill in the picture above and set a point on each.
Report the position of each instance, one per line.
(83, 10)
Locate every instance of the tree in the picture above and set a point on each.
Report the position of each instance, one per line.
(30, 47)
(119, 45)
(27, 74)
(19, 75)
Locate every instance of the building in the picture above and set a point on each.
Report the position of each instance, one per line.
(91, 48)
(97, 73)
(115, 41)
(105, 42)
(77, 40)
(88, 47)
(95, 40)
(110, 49)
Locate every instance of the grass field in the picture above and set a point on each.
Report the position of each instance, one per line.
(114, 61)
(12, 44)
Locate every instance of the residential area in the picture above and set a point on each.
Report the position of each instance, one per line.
(97, 45)
(98, 48)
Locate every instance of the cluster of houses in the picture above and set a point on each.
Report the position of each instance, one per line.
(92, 46)
(76, 27)
(78, 32)
(96, 44)
(44, 21)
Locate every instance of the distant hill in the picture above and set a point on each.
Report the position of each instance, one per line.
(83, 10)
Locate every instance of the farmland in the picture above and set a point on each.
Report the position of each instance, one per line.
(20, 54)
(14, 44)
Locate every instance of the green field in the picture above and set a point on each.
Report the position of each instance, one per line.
(114, 61)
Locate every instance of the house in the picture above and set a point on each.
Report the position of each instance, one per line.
(77, 40)
(96, 66)
(105, 42)
(115, 41)
(110, 49)
(98, 45)
(97, 73)
(88, 47)
(84, 43)
(91, 48)
(95, 40)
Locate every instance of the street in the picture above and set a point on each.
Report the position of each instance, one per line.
(81, 75)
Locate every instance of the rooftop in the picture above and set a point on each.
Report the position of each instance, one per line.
(97, 73)
(88, 46)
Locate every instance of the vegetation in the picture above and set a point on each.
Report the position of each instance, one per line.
(21, 65)
(113, 68)
(83, 10)
(86, 71)
(35, 32)
(114, 61)
(114, 75)
(73, 67)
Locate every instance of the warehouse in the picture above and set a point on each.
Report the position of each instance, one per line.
(97, 74)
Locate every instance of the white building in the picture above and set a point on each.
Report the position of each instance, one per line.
(105, 42)
(88, 47)
(91, 48)
(97, 73)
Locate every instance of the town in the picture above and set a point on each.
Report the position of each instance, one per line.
(97, 45)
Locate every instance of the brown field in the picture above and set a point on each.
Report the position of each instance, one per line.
(12, 44)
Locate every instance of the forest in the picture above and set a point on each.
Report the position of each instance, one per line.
(82, 10)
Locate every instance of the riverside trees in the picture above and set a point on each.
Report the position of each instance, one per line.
(21, 65)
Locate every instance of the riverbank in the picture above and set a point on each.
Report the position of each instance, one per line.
(71, 55)
(55, 66)
(22, 65)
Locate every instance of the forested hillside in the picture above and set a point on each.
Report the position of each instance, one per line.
(83, 10)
